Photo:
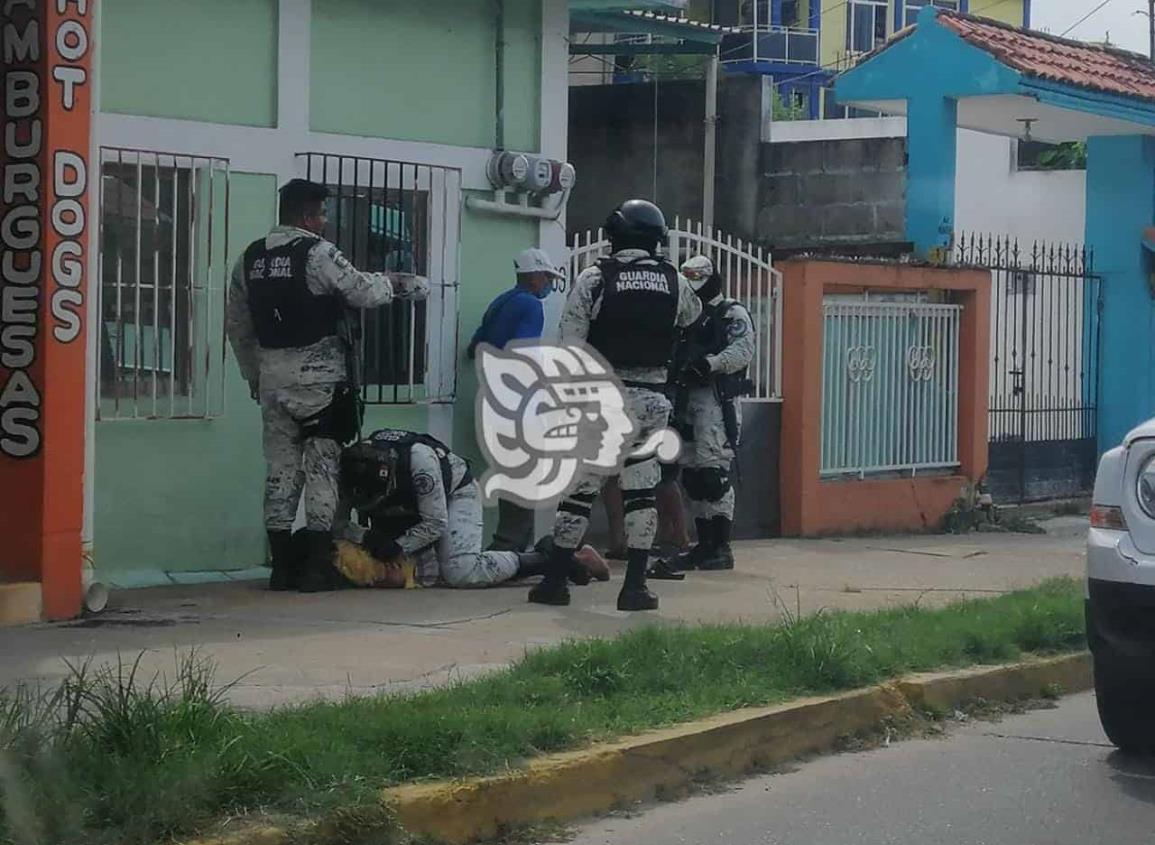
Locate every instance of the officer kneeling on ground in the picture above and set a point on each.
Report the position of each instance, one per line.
(710, 376)
(628, 307)
(292, 326)
(421, 508)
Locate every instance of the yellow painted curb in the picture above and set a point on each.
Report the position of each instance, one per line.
(656, 764)
(943, 690)
(663, 763)
(581, 783)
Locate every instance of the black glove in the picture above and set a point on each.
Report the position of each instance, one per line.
(381, 546)
(698, 371)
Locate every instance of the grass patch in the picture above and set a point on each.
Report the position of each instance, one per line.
(111, 757)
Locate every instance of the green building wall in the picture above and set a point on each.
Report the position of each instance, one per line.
(181, 499)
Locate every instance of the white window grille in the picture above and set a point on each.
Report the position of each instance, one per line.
(400, 217)
(163, 276)
(890, 398)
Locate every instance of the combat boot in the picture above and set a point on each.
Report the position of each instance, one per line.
(285, 561)
(721, 556)
(635, 595)
(553, 589)
(318, 574)
(701, 550)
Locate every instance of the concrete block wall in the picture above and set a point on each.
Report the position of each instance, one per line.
(837, 191)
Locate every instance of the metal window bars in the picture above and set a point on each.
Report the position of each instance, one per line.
(890, 400)
(403, 217)
(162, 267)
(749, 276)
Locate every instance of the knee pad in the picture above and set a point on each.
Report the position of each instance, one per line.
(706, 484)
(638, 500)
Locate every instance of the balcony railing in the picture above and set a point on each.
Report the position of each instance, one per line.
(782, 44)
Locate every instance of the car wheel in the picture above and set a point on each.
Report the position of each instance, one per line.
(1125, 696)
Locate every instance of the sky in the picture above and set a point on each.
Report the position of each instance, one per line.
(1117, 18)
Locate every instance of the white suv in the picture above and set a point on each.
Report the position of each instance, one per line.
(1121, 590)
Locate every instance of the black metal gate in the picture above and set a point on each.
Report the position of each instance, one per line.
(1044, 377)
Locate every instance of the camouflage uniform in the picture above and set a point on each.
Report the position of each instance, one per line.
(295, 384)
(709, 447)
(446, 543)
(648, 409)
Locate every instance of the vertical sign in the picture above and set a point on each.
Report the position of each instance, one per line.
(45, 66)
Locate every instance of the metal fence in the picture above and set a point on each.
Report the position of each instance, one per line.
(749, 276)
(1045, 303)
(401, 217)
(890, 385)
(162, 265)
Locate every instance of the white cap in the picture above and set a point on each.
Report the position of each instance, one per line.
(534, 260)
(698, 270)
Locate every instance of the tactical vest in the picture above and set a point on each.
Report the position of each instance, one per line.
(286, 314)
(403, 498)
(708, 335)
(637, 321)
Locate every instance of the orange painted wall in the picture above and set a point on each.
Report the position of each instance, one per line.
(42, 348)
(811, 506)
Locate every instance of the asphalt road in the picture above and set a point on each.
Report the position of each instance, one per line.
(1047, 777)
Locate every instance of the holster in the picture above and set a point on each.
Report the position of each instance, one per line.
(340, 420)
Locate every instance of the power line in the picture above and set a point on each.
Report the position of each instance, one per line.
(1084, 18)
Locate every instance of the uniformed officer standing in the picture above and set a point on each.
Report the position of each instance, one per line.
(290, 327)
(712, 365)
(628, 307)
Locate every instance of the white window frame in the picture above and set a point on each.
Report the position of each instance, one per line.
(875, 7)
(153, 289)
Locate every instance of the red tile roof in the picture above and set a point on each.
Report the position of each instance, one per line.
(1077, 63)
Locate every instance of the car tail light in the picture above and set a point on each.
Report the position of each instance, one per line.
(1108, 516)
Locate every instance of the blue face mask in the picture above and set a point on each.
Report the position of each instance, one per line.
(545, 291)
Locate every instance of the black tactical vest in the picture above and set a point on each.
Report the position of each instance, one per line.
(637, 321)
(396, 446)
(708, 335)
(286, 314)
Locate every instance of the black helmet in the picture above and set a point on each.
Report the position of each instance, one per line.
(636, 224)
(367, 474)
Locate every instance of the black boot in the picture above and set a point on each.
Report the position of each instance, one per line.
(530, 564)
(578, 575)
(286, 563)
(635, 595)
(318, 574)
(721, 556)
(692, 559)
(553, 589)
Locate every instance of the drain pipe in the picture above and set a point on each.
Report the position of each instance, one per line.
(499, 78)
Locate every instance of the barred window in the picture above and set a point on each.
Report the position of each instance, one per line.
(162, 266)
(389, 216)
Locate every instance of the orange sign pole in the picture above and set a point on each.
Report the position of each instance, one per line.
(46, 48)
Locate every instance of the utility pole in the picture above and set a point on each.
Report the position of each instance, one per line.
(1151, 29)
(710, 154)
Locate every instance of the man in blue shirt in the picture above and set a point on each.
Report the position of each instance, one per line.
(517, 314)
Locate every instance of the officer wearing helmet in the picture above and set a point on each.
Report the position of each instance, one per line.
(711, 375)
(629, 307)
(419, 502)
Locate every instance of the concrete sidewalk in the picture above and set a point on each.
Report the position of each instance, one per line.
(287, 647)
